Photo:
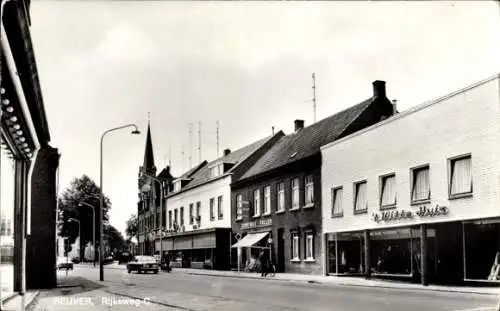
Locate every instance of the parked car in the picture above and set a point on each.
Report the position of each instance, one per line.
(143, 263)
(64, 263)
(124, 257)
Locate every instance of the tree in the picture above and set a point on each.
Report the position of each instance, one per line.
(113, 238)
(85, 190)
(131, 229)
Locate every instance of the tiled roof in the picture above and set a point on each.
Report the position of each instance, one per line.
(307, 141)
(203, 174)
(189, 173)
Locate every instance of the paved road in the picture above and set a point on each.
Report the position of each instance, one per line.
(218, 293)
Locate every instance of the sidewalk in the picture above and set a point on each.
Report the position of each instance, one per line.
(79, 294)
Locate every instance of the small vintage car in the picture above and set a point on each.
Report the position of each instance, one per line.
(64, 263)
(143, 263)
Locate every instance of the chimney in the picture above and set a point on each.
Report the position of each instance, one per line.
(394, 106)
(378, 88)
(299, 124)
(227, 152)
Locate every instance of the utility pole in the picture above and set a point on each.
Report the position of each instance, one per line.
(217, 139)
(190, 144)
(314, 95)
(199, 141)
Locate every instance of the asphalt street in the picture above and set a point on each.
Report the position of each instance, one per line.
(193, 292)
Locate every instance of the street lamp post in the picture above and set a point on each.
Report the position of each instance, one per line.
(101, 199)
(93, 226)
(161, 213)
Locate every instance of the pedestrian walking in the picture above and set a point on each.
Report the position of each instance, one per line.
(263, 264)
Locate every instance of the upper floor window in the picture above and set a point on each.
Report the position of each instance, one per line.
(182, 216)
(281, 197)
(176, 222)
(267, 200)
(198, 210)
(177, 185)
(460, 176)
(421, 190)
(216, 170)
(220, 212)
(256, 203)
(337, 209)
(212, 203)
(295, 193)
(239, 206)
(360, 199)
(388, 191)
(309, 190)
(170, 219)
(191, 216)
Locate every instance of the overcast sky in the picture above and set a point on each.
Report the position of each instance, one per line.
(246, 64)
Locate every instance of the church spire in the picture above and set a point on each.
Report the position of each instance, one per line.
(149, 160)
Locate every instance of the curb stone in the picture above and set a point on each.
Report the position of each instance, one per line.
(427, 289)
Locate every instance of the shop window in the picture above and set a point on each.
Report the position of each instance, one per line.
(421, 190)
(295, 247)
(239, 207)
(482, 250)
(346, 253)
(387, 191)
(309, 246)
(256, 203)
(267, 200)
(309, 190)
(295, 193)
(360, 199)
(212, 212)
(191, 216)
(460, 176)
(281, 197)
(219, 207)
(170, 219)
(337, 210)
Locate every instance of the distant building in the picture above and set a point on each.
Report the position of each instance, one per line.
(416, 197)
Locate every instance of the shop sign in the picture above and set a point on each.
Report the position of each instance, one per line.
(258, 223)
(392, 215)
(425, 211)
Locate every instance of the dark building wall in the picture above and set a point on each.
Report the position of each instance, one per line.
(288, 221)
(41, 245)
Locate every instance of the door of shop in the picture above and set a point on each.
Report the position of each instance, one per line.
(280, 265)
(449, 253)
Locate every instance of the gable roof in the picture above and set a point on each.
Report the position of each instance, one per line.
(202, 175)
(307, 141)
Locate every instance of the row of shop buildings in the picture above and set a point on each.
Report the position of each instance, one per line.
(369, 191)
(28, 164)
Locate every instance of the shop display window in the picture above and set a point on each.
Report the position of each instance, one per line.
(345, 253)
(482, 250)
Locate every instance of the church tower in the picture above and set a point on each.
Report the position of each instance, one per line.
(148, 167)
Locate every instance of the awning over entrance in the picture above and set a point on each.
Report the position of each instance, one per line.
(250, 239)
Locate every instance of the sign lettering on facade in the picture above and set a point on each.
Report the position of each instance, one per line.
(258, 223)
(423, 211)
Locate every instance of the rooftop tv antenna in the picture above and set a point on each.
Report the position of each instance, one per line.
(314, 95)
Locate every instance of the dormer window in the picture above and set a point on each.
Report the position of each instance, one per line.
(217, 170)
(177, 185)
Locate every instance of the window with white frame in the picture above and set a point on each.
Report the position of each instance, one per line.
(309, 246)
(309, 190)
(198, 211)
(182, 216)
(295, 193)
(421, 189)
(191, 216)
(176, 223)
(170, 219)
(295, 251)
(239, 206)
(360, 199)
(337, 209)
(212, 203)
(177, 185)
(216, 170)
(256, 203)
(388, 191)
(220, 213)
(281, 197)
(460, 176)
(267, 200)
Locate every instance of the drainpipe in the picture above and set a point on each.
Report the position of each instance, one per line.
(11, 65)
